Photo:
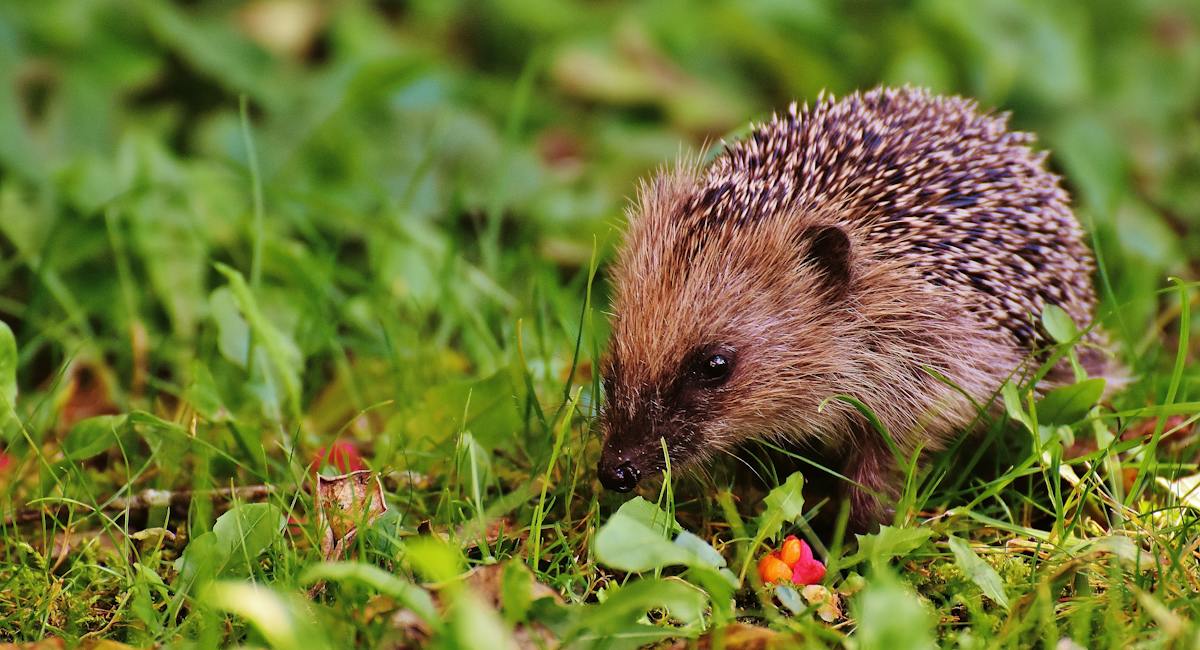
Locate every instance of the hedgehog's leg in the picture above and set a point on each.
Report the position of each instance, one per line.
(873, 493)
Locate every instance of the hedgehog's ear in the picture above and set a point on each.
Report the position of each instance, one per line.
(827, 249)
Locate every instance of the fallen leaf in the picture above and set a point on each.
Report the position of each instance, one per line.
(497, 529)
(737, 636)
(415, 633)
(829, 605)
(347, 502)
(87, 394)
(488, 582)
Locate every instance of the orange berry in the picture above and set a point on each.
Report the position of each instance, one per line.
(791, 550)
(772, 569)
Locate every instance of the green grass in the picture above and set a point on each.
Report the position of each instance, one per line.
(225, 247)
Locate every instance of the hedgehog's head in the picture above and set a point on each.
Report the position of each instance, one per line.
(724, 327)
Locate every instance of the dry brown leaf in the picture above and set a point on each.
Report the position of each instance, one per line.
(487, 582)
(415, 633)
(497, 529)
(829, 605)
(86, 394)
(738, 636)
(346, 502)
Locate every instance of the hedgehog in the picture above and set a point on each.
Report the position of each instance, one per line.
(893, 246)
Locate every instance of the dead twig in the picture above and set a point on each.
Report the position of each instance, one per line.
(147, 499)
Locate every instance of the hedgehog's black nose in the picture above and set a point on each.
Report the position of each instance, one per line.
(622, 478)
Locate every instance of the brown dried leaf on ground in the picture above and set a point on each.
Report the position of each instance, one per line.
(738, 636)
(87, 393)
(828, 603)
(497, 529)
(488, 583)
(345, 503)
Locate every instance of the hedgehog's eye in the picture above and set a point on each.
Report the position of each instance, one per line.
(713, 369)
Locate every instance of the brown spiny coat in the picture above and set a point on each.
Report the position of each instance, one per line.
(841, 249)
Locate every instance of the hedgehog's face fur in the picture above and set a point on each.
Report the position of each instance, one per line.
(719, 333)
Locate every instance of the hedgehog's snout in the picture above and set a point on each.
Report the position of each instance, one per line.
(619, 476)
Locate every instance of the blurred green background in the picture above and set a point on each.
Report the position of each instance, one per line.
(256, 227)
(435, 172)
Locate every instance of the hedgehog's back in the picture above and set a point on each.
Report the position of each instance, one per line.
(967, 204)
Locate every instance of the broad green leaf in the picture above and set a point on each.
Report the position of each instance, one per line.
(201, 560)
(1069, 404)
(650, 515)
(476, 624)
(634, 539)
(245, 531)
(516, 592)
(700, 549)
(203, 395)
(285, 622)
(433, 558)
(721, 585)
(146, 585)
(1013, 406)
(369, 575)
(92, 436)
(784, 503)
(8, 383)
(628, 603)
(233, 334)
(888, 543)
(891, 616)
(980, 572)
(285, 358)
(8, 365)
(1059, 324)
